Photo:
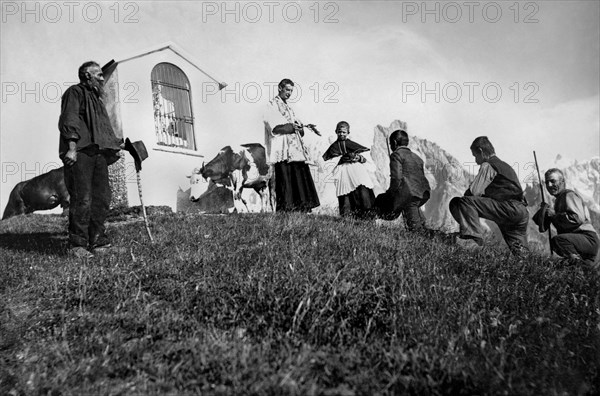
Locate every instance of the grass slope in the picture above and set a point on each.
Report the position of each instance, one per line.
(288, 304)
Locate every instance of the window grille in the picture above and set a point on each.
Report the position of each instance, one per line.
(171, 97)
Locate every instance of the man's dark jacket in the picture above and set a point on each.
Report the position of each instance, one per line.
(84, 119)
(407, 178)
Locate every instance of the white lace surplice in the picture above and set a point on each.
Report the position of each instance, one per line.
(350, 176)
(282, 147)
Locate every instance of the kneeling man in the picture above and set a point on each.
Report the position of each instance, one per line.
(409, 188)
(495, 195)
(577, 239)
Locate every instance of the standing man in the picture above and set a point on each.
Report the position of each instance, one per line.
(87, 146)
(409, 188)
(496, 195)
(294, 186)
(577, 239)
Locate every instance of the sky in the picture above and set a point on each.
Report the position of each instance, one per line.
(526, 74)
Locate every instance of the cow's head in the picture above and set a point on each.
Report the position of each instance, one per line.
(220, 167)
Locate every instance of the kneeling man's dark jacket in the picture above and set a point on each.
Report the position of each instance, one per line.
(407, 178)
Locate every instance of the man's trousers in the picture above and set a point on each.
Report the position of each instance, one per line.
(88, 186)
(510, 216)
(388, 209)
(584, 244)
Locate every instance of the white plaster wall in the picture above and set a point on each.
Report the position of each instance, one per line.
(164, 171)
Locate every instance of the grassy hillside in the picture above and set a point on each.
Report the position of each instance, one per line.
(288, 304)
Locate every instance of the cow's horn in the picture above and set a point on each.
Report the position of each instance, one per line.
(202, 171)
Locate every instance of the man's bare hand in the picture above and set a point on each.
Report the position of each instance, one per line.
(70, 158)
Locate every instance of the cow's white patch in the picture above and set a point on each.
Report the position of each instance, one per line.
(240, 206)
(252, 175)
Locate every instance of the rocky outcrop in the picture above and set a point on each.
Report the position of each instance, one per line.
(583, 177)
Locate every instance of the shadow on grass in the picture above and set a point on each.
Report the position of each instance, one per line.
(41, 242)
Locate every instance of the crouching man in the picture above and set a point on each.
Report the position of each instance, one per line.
(495, 195)
(577, 239)
(409, 188)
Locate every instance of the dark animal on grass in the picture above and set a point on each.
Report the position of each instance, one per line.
(236, 169)
(43, 192)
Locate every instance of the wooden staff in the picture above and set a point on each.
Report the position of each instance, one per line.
(543, 200)
(139, 183)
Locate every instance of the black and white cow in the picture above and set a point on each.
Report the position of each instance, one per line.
(43, 192)
(236, 169)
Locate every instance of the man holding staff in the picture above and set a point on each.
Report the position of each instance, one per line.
(577, 239)
(88, 144)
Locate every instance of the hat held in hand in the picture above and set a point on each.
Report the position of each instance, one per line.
(541, 219)
(138, 152)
